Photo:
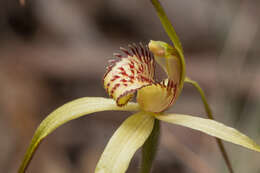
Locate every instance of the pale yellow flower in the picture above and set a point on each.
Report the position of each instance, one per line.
(132, 71)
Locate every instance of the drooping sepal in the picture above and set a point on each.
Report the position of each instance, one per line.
(66, 113)
(212, 128)
(132, 70)
(127, 139)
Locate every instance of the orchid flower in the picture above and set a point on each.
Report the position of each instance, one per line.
(131, 73)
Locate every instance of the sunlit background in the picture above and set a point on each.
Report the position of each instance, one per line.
(54, 51)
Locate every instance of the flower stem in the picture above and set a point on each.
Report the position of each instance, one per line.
(210, 116)
(177, 44)
(149, 148)
(172, 35)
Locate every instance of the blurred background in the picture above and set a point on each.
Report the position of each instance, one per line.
(54, 51)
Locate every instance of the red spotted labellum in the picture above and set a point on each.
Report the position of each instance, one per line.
(133, 70)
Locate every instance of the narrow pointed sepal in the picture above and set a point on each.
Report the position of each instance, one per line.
(68, 112)
(212, 128)
(127, 139)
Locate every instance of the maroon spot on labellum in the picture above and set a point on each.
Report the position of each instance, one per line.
(123, 80)
(108, 84)
(131, 66)
(114, 88)
(121, 69)
(132, 77)
(115, 77)
(124, 73)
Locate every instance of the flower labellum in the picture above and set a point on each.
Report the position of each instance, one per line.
(134, 70)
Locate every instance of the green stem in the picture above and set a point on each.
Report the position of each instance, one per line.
(172, 35)
(166, 24)
(177, 44)
(210, 116)
(149, 148)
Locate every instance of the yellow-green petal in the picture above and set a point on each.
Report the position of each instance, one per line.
(127, 139)
(212, 128)
(67, 112)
